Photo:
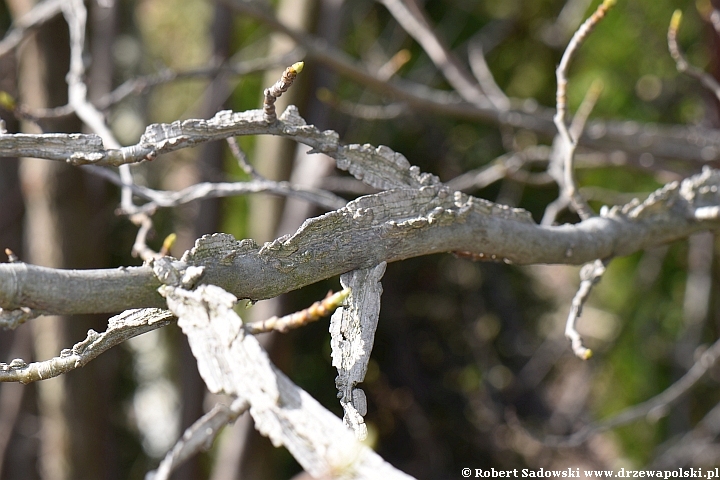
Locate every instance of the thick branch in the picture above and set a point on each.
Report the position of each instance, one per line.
(388, 226)
(233, 362)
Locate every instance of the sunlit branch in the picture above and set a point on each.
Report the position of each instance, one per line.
(373, 229)
(76, 16)
(313, 313)
(128, 324)
(568, 142)
(590, 274)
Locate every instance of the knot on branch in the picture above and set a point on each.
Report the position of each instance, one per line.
(176, 274)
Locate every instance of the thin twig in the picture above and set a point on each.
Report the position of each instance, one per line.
(508, 165)
(128, 324)
(484, 76)
(40, 13)
(653, 409)
(140, 247)
(583, 112)
(295, 320)
(590, 274)
(241, 158)
(568, 142)
(76, 16)
(449, 65)
(362, 111)
(200, 191)
(234, 67)
(681, 61)
(205, 190)
(199, 436)
(280, 87)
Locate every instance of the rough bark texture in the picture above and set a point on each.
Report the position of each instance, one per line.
(234, 363)
(389, 226)
(352, 332)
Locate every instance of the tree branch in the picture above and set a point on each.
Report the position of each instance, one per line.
(654, 408)
(660, 141)
(120, 328)
(388, 226)
(233, 362)
(352, 334)
(199, 436)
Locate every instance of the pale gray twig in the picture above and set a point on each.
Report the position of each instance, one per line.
(508, 165)
(577, 125)
(441, 56)
(200, 191)
(653, 409)
(128, 324)
(199, 436)
(681, 62)
(357, 110)
(40, 13)
(76, 16)
(235, 66)
(140, 247)
(484, 76)
(568, 143)
(590, 274)
(241, 158)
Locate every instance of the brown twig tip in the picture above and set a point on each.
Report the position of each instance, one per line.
(280, 87)
(314, 312)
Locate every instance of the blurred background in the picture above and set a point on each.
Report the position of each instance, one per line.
(470, 366)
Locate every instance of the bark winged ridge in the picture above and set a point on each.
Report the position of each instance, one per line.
(388, 226)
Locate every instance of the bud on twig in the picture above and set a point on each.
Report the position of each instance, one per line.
(280, 87)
